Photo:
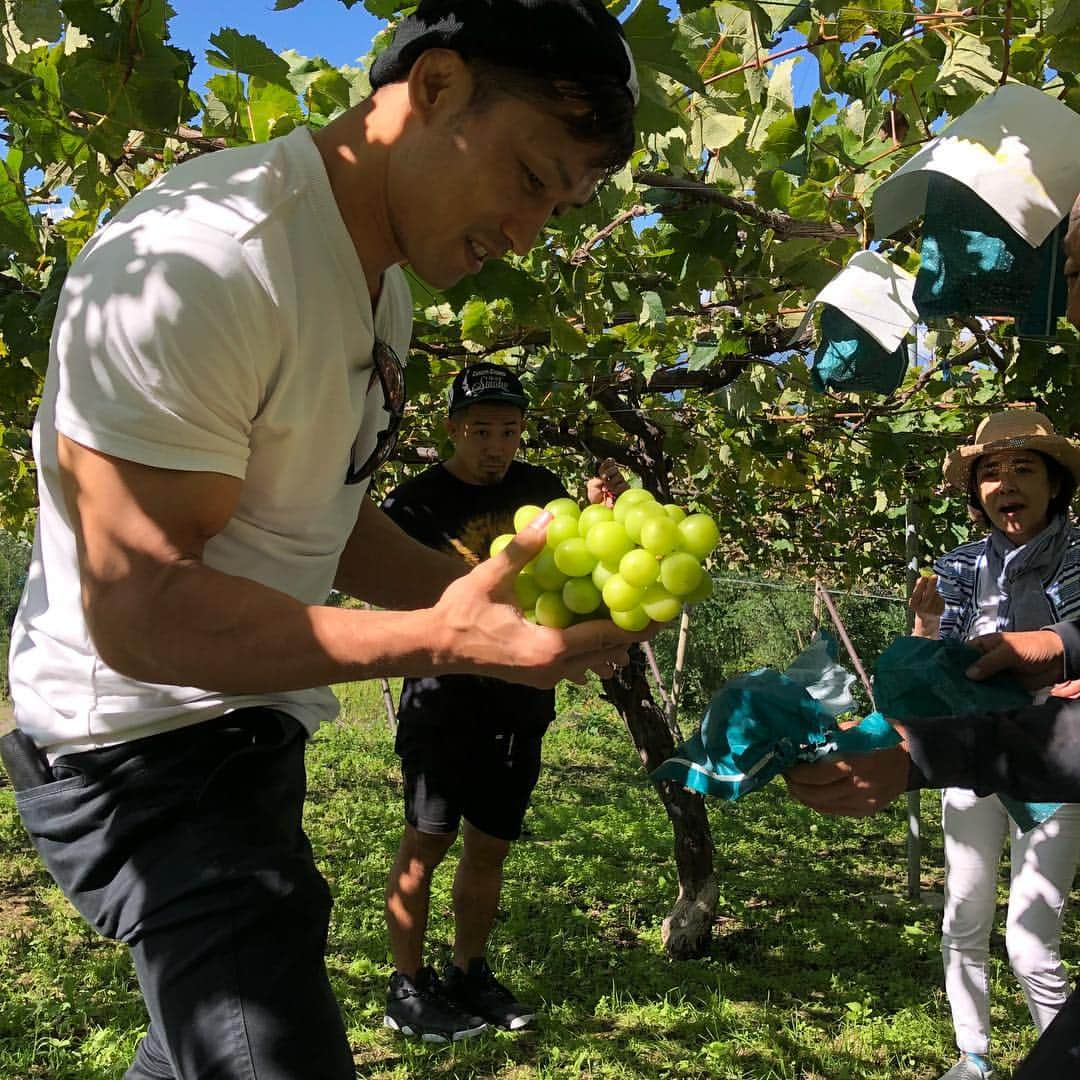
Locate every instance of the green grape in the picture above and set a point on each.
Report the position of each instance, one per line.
(601, 572)
(548, 575)
(639, 567)
(499, 543)
(581, 596)
(676, 513)
(551, 611)
(620, 595)
(524, 514)
(634, 619)
(526, 589)
(637, 516)
(699, 534)
(560, 529)
(702, 592)
(574, 559)
(659, 604)
(591, 515)
(529, 616)
(563, 507)
(608, 541)
(660, 535)
(680, 573)
(629, 498)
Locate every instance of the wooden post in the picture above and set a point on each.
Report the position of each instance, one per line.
(388, 701)
(677, 674)
(912, 521)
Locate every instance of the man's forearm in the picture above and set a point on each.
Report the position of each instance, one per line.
(1069, 632)
(194, 626)
(385, 566)
(1032, 753)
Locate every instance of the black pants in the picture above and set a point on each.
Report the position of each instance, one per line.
(1056, 1056)
(189, 848)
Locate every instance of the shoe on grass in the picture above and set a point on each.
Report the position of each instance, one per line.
(421, 1009)
(966, 1069)
(478, 991)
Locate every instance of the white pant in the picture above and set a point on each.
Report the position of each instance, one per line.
(1043, 864)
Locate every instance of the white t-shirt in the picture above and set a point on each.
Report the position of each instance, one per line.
(219, 323)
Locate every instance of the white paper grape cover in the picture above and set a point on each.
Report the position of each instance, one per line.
(1016, 149)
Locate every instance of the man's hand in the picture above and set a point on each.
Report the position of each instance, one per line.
(928, 605)
(480, 629)
(856, 786)
(1035, 656)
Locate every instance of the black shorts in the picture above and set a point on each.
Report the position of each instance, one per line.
(484, 776)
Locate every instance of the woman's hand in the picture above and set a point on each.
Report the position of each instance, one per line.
(607, 485)
(928, 605)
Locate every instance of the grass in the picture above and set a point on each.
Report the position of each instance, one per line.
(820, 969)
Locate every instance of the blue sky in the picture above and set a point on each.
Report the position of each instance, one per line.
(314, 28)
(327, 28)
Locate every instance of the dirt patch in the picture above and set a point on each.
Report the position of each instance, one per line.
(16, 909)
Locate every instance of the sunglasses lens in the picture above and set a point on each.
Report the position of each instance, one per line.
(392, 379)
(392, 376)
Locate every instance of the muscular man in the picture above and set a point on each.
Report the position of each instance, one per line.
(223, 380)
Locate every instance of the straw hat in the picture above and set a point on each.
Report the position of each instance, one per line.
(1017, 429)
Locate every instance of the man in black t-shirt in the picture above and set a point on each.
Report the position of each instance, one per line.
(469, 745)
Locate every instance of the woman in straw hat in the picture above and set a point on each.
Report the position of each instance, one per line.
(1019, 476)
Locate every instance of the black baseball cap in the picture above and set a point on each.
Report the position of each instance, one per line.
(489, 383)
(576, 40)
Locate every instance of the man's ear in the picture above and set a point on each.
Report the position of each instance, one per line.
(452, 428)
(439, 81)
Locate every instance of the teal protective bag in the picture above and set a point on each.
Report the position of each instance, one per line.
(925, 677)
(851, 360)
(973, 263)
(760, 724)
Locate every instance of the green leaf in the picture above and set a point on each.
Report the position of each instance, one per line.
(1064, 17)
(654, 42)
(715, 130)
(652, 310)
(1065, 55)
(17, 229)
(26, 24)
(968, 69)
(701, 356)
(271, 110)
(566, 338)
(248, 55)
(476, 322)
(284, 5)
(779, 103)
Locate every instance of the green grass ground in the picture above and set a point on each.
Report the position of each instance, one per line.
(820, 969)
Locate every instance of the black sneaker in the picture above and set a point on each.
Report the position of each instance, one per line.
(422, 1009)
(478, 991)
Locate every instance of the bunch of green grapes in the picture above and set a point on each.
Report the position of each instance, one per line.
(635, 562)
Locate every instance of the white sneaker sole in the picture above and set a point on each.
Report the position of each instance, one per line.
(431, 1036)
(520, 1022)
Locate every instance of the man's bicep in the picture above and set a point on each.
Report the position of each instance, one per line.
(132, 519)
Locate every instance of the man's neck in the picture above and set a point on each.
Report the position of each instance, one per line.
(354, 150)
(455, 469)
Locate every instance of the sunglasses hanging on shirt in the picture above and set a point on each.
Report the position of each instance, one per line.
(391, 375)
